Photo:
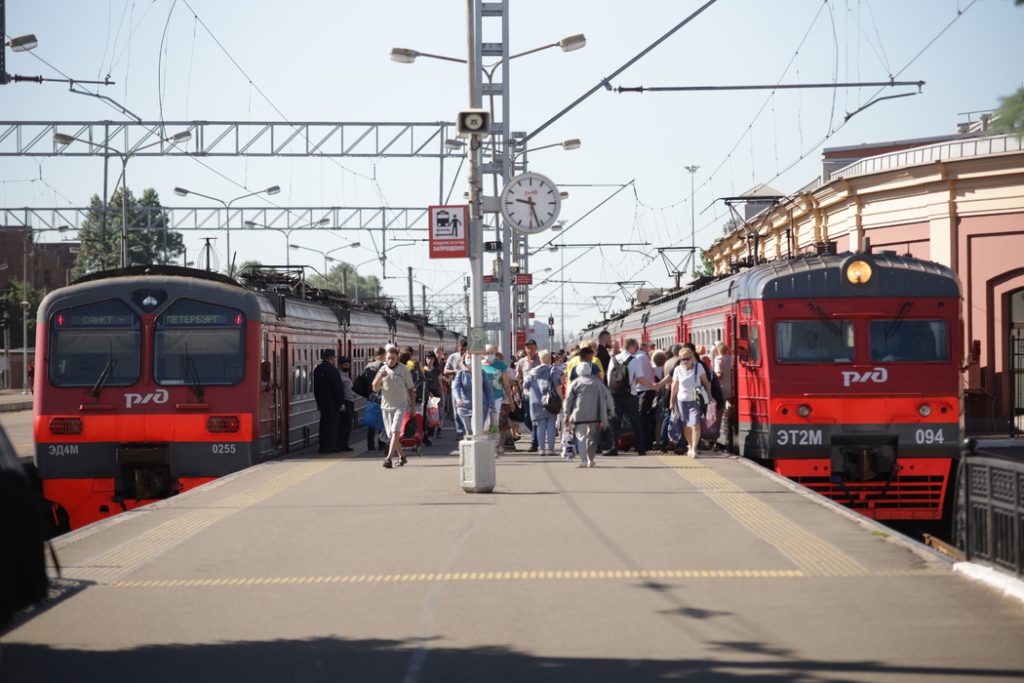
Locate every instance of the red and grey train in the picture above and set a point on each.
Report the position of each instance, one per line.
(154, 380)
(846, 373)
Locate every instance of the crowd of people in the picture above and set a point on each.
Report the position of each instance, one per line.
(595, 397)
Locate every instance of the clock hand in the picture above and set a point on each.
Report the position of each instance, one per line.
(525, 201)
(533, 210)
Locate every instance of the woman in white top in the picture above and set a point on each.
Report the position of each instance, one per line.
(687, 376)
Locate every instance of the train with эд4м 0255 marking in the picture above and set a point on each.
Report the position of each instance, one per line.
(846, 372)
(154, 380)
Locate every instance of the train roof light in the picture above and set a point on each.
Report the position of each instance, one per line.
(858, 272)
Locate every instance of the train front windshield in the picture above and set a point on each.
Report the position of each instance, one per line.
(814, 341)
(909, 341)
(94, 346)
(199, 344)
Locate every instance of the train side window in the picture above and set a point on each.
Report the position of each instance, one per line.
(94, 344)
(754, 339)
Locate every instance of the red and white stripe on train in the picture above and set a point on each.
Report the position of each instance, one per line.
(847, 372)
(152, 381)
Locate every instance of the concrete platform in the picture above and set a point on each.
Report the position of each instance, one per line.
(643, 568)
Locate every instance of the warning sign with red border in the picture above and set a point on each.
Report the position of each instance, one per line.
(449, 231)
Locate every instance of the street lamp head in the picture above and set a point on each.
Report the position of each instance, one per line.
(571, 43)
(273, 189)
(23, 43)
(323, 221)
(563, 194)
(354, 244)
(63, 139)
(403, 55)
(571, 144)
(183, 136)
(454, 145)
(180, 191)
(295, 246)
(251, 224)
(62, 228)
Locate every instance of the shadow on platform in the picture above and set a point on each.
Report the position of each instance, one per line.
(337, 659)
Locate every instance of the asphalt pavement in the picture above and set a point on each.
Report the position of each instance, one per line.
(642, 568)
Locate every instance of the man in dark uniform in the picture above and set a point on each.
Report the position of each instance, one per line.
(329, 395)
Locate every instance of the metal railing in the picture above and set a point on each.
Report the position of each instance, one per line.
(992, 516)
(944, 151)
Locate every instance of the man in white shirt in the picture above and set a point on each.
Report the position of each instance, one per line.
(640, 407)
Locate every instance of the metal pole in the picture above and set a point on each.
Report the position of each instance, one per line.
(693, 223)
(412, 300)
(124, 211)
(476, 458)
(424, 299)
(24, 343)
(562, 295)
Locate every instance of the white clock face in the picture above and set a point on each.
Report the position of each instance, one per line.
(530, 203)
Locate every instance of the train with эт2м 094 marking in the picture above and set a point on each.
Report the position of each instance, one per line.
(846, 376)
(154, 380)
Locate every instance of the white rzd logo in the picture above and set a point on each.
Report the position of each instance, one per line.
(877, 375)
(158, 396)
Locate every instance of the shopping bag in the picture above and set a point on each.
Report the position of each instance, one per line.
(373, 417)
(711, 420)
(568, 442)
(434, 412)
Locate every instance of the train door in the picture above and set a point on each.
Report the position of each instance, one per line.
(282, 394)
(751, 390)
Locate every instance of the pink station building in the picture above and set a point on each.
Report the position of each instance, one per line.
(957, 200)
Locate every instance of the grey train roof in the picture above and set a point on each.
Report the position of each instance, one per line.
(824, 276)
(805, 276)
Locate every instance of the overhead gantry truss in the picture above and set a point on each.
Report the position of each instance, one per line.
(208, 218)
(230, 139)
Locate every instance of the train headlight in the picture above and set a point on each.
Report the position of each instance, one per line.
(804, 410)
(222, 424)
(924, 410)
(858, 272)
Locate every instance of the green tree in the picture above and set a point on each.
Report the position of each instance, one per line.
(358, 286)
(154, 244)
(1010, 115)
(11, 297)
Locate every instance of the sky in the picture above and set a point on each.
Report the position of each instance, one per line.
(310, 60)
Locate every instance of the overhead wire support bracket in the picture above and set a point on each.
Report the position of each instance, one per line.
(778, 86)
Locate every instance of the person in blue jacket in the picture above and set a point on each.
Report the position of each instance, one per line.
(462, 392)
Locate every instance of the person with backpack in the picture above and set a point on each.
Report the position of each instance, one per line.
(364, 387)
(618, 384)
(542, 385)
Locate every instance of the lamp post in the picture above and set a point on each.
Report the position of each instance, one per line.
(326, 254)
(182, 192)
(693, 222)
(177, 138)
(287, 234)
(24, 346)
(504, 232)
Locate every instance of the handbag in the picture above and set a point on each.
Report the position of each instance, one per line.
(372, 416)
(518, 413)
(552, 400)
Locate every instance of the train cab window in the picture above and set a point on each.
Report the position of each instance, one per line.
(902, 341)
(754, 344)
(814, 341)
(94, 345)
(199, 343)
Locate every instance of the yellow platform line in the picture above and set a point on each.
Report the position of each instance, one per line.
(468, 577)
(813, 556)
(129, 556)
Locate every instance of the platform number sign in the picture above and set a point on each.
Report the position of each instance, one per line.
(449, 233)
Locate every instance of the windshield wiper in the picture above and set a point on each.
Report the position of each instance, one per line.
(828, 321)
(193, 376)
(105, 374)
(895, 324)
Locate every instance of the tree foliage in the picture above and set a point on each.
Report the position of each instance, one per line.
(358, 286)
(1010, 115)
(101, 248)
(11, 297)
